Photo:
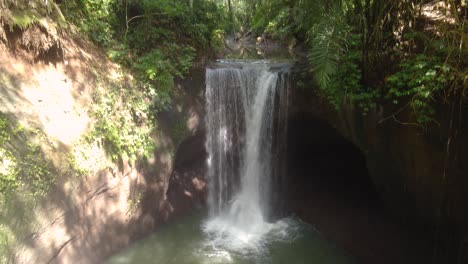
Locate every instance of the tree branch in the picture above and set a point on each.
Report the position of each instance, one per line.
(394, 114)
(127, 22)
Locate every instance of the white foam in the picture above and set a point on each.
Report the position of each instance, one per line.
(224, 236)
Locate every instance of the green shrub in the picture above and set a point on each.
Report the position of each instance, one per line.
(94, 18)
(218, 38)
(280, 27)
(121, 128)
(419, 79)
(22, 163)
(346, 81)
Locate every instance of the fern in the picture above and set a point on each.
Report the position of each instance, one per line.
(328, 39)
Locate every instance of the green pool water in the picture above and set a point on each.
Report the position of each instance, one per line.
(187, 241)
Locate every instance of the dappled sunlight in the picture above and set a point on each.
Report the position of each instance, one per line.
(223, 125)
(43, 94)
(82, 215)
(60, 114)
(94, 203)
(193, 120)
(438, 11)
(7, 163)
(89, 158)
(115, 74)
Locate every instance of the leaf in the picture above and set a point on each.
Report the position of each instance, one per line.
(328, 43)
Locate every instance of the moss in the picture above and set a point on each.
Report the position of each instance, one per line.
(179, 131)
(23, 14)
(26, 175)
(23, 18)
(23, 165)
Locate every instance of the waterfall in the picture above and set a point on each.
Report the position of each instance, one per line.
(245, 117)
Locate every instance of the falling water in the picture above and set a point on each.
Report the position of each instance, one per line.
(246, 113)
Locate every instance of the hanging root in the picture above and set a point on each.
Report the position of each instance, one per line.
(29, 29)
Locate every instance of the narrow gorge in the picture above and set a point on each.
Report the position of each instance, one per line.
(233, 131)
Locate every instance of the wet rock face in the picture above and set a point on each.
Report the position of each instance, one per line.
(419, 175)
(187, 185)
(321, 159)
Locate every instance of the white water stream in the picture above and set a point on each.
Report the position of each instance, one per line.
(246, 127)
(245, 108)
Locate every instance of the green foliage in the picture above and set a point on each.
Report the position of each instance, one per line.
(329, 40)
(170, 8)
(280, 27)
(75, 165)
(120, 128)
(21, 14)
(265, 14)
(22, 163)
(347, 38)
(8, 171)
(346, 83)
(419, 78)
(120, 53)
(157, 40)
(157, 71)
(134, 203)
(5, 237)
(155, 24)
(94, 18)
(16, 219)
(23, 18)
(284, 20)
(179, 131)
(40, 5)
(156, 67)
(162, 65)
(162, 40)
(218, 38)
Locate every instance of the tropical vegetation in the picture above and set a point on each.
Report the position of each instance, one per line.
(407, 55)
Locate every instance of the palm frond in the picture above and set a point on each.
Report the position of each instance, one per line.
(328, 39)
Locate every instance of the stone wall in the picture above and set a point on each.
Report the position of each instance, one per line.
(420, 172)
